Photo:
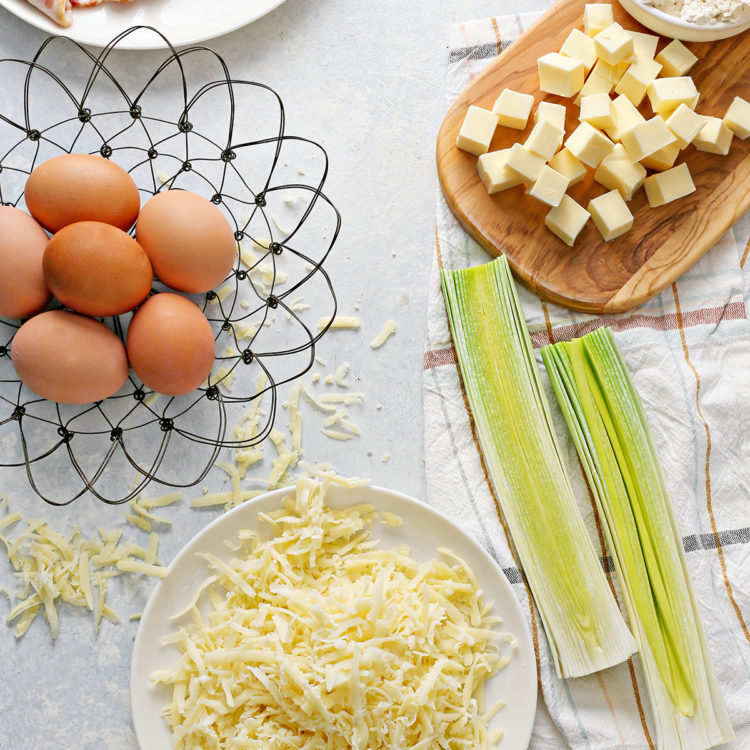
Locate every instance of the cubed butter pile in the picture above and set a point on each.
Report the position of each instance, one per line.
(609, 71)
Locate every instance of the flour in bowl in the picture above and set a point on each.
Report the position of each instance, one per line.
(703, 11)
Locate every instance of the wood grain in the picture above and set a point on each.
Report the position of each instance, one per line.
(595, 276)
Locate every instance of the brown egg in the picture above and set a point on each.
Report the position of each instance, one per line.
(22, 242)
(81, 187)
(189, 241)
(69, 358)
(170, 344)
(97, 269)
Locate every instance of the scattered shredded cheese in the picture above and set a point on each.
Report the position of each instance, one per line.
(342, 398)
(316, 639)
(275, 219)
(340, 321)
(339, 376)
(337, 434)
(53, 568)
(388, 330)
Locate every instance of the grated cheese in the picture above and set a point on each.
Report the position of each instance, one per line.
(53, 568)
(316, 639)
(342, 398)
(388, 330)
(275, 219)
(339, 376)
(340, 321)
(129, 565)
(336, 434)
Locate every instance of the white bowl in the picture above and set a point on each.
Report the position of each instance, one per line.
(670, 26)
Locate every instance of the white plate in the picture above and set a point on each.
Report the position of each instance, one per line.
(424, 530)
(183, 22)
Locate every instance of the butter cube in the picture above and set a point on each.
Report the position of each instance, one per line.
(559, 74)
(588, 144)
(513, 108)
(625, 116)
(522, 162)
(737, 118)
(477, 130)
(685, 124)
(597, 17)
(594, 84)
(568, 166)
(644, 45)
(637, 79)
(581, 47)
(614, 44)
(545, 138)
(668, 186)
(612, 73)
(597, 110)
(666, 94)
(662, 159)
(549, 187)
(617, 172)
(714, 137)
(492, 171)
(676, 59)
(646, 138)
(555, 113)
(611, 215)
(566, 220)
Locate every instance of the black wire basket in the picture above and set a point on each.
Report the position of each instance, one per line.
(164, 134)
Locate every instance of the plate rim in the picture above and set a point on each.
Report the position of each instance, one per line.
(34, 17)
(524, 638)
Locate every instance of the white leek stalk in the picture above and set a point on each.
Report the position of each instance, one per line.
(584, 627)
(608, 425)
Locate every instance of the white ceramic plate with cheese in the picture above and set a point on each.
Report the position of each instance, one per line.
(423, 530)
(183, 22)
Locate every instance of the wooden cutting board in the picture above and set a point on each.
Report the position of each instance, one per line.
(596, 276)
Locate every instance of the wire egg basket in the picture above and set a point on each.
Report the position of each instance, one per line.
(187, 125)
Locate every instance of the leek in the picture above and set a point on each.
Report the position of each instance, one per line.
(585, 629)
(606, 420)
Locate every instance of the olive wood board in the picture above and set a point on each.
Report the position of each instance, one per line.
(597, 276)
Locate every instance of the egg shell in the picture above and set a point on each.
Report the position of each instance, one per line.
(188, 239)
(81, 187)
(69, 358)
(97, 269)
(170, 344)
(22, 242)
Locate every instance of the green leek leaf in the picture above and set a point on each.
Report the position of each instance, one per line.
(584, 626)
(606, 420)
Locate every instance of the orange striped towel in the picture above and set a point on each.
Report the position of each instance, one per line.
(689, 352)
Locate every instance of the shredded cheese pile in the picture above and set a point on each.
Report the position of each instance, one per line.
(317, 639)
(53, 568)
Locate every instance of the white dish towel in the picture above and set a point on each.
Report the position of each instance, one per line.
(688, 351)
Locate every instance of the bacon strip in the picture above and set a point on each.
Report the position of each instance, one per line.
(60, 11)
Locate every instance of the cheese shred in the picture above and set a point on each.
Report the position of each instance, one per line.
(53, 568)
(316, 639)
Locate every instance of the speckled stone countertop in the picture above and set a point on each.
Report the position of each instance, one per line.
(366, 80)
